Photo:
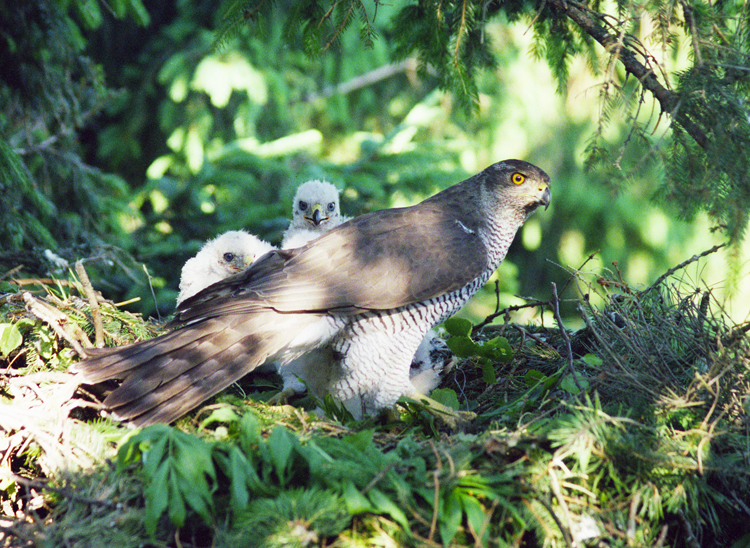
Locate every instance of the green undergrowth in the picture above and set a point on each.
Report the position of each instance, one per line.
(631, 431)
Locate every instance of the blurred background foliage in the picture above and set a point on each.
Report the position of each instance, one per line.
(130, 135)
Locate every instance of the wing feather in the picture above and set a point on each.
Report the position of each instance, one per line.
(378, 261)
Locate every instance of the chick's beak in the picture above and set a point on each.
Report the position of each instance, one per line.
(316, 215)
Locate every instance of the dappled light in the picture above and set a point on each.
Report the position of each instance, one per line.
(593, 392)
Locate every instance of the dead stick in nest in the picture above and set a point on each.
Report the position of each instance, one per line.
(93, 304)
(564, 334)
(58, 321)
(530, 335)
(67, 493)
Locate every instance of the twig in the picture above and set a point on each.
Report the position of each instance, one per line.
(525, 333)
(736, 334)
(367, 79)
(662, 537)
(461, 31)
(555, 487)
(153, 295)
(688, 13)
(682, 265)
(563, 529)
(93, 304)
(564, 334)
(11, 272)
(36, 484)
(378, 477)
(634, 503)
(608, 348)
(488, 320)
(669, 101)
(436, 501)
(57, 320)
(40, 281)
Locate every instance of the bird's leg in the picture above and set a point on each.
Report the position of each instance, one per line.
(452, 418)
(372, 369)
(282, 397)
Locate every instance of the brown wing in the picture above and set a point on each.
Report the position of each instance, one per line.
(379, 261)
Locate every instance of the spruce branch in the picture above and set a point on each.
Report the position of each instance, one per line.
(669, 100)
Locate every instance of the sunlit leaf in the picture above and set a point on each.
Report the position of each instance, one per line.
(458, 327)
(10, 338)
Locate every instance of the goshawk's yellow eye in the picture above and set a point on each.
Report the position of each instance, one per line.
(518, 178)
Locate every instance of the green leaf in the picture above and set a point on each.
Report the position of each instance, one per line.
(10, 338)
(382, 504)
(568, 383)
(280, 445)
(360, 440)
(488, 373)
(89, 12)
(446, 396)
(356, 502)
(200, 501)
(249, 431)
(551, 381)
(176, 509)
(157, 498)
(236, 467)
(138, 12)
(223, 415)
(458, 327)
(463, 347)
(498, 349)
(532, 377)
(238, 459)
(450, 518)
(152, 444)
(592, 360)
(475, 514)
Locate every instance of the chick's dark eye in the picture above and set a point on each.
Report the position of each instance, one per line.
(302, 206)
(331, 206)
(229, 257)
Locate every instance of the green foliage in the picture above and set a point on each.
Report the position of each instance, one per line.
(653, 450)
(713, 176)
(51, 89)
(23, 225)
(178, 471)
(451, 42)
(284, 489)
(485, 353)
(10, 338)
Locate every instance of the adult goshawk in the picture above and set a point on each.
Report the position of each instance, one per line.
(371, 288)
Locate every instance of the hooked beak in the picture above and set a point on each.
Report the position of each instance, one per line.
(544, 195)
(316, 215)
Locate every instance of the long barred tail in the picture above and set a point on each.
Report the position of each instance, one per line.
(165, 377)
